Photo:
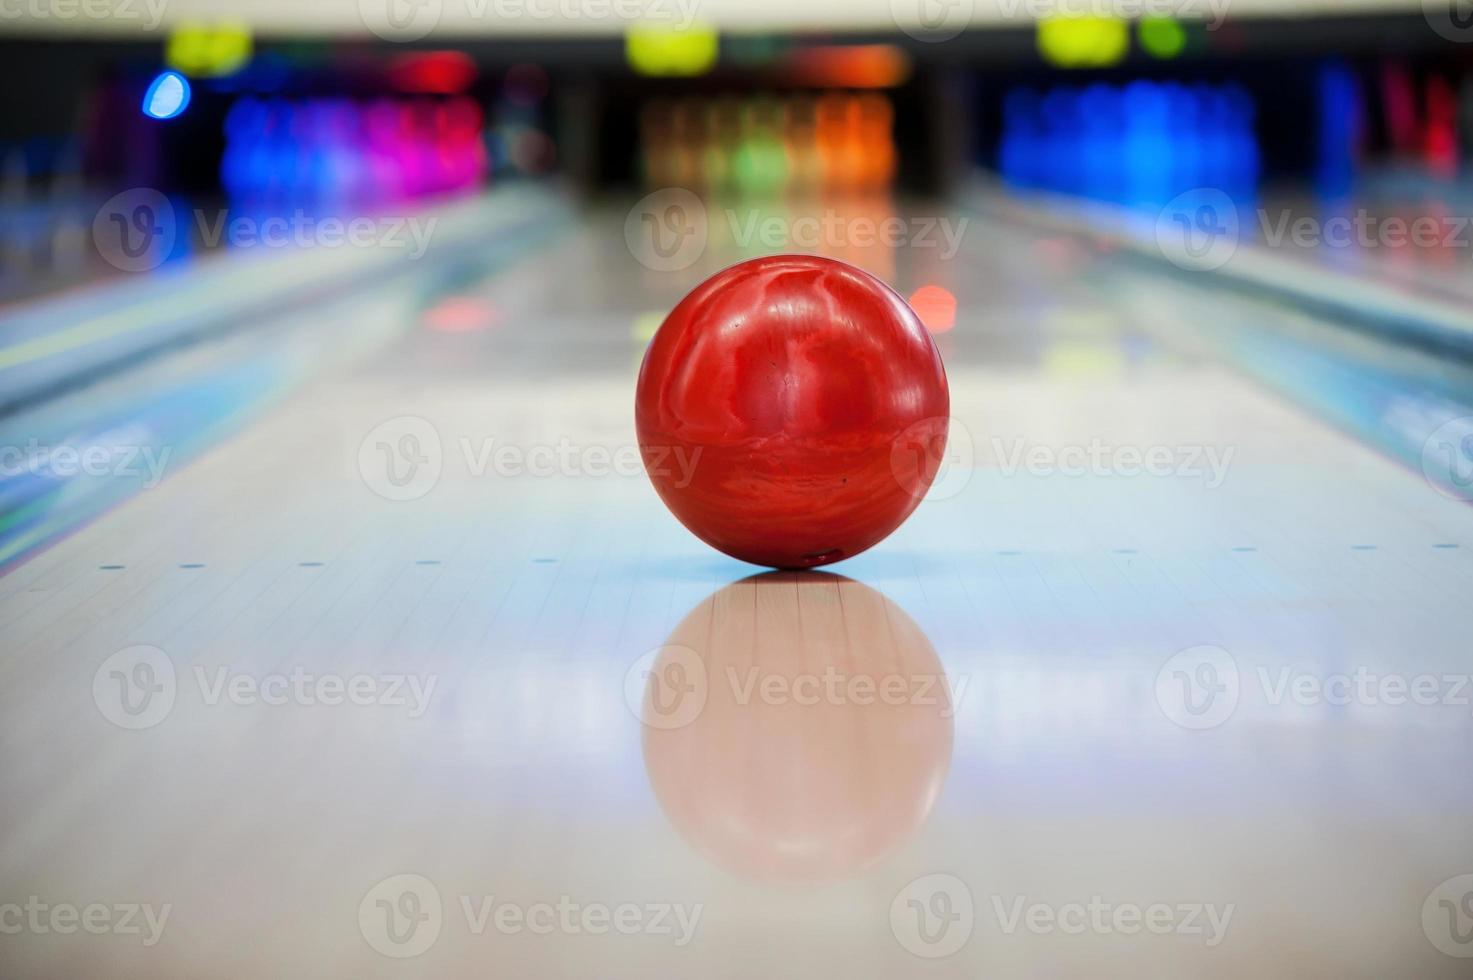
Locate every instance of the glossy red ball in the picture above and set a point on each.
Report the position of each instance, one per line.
(792, 411)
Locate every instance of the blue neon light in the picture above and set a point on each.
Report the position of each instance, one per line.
(167, 96)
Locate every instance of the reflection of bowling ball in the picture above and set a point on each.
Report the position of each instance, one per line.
(784, 779)
(773, 402)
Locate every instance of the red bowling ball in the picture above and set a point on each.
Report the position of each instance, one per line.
(792, 411)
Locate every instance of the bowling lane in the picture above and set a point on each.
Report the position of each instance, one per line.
(416, 676)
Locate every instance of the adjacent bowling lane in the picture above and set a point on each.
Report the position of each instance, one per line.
(416, 675)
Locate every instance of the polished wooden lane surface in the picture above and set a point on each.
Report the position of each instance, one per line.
(415, 676)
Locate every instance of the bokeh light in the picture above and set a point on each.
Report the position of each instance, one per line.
(936, 307)
(1161, 37)
(167, 96)
(1083, 42)
(209, 51)
(663, 51)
